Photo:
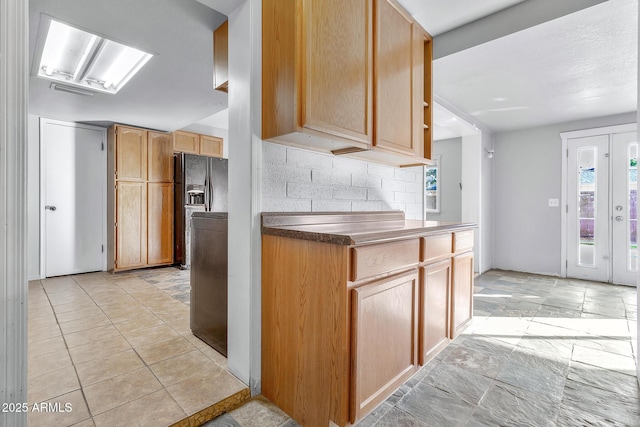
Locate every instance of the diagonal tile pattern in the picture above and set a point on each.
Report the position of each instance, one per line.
(119, 351)
(541, 351)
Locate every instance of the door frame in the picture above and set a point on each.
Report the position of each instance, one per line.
(43, 187)
(607, 130)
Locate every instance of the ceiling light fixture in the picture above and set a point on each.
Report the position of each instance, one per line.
(79, 58)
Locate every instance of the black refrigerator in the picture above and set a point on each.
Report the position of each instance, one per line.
(200, 186)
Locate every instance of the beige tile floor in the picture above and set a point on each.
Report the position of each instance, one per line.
(119, 350)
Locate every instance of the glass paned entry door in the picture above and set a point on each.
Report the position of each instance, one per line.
(602, 242)
(588, 206)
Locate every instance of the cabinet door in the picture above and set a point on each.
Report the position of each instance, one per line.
(210, 146)
(384, 340)
(393, 70)
(462, 292)
(131, 154)
(160, 157)
(337, 68)
(434, 309)
(131, 225)
(221, 57)
(160, 223)
(186, 142)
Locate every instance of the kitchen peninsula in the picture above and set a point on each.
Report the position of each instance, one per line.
(353, 304)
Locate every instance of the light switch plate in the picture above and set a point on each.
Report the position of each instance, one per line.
(554, 203)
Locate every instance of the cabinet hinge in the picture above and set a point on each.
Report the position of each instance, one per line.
(115, 225)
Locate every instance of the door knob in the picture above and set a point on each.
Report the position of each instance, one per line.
(618, 218)
(51, 208)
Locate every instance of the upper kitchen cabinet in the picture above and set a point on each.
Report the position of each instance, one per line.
(317, 73)
(394, 86)
(160, 157)
(210, 146)
(186, 142)
(130, 153)
(221, 57)
(347, 77)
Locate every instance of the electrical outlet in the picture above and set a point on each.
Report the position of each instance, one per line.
(554, 203)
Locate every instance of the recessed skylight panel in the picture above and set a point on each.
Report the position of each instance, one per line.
(79, 58)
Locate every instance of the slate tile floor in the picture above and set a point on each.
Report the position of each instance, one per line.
(542, 351)
(119, 349)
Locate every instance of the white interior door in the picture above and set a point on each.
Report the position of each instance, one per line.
(624, 185)
(588, 254)
(73, 197)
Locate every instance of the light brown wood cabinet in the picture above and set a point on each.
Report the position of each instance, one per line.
(211, 146)
(130, 224)
(462, 282)
(131, 154)
(317, 73)
(139, 198)
(186, 142)
(195, 143)
(345, 324)
(384, 340)
(160, 223)
(320, 83)
(160, 157)
(221, 57)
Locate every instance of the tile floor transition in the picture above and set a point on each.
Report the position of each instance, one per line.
(119, 349)
(541, 351)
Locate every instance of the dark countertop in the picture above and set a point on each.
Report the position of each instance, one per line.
(352, 228)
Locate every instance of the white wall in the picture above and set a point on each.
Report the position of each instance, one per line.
(527, 171)
(450, 152)
(486, 243)
(33, 198)
(296, 180)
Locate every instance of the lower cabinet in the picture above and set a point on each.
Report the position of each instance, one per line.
(344, 325)
(435, 294)
(131, 224)
(462, 293)
(160, 223)
(384, 337)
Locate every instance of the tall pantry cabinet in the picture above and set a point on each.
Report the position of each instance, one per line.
(139, 198)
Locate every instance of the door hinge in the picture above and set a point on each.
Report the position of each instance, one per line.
(567, 208)
(606, 154)
(102, 147)
(567, 153)
(102, 248)
(566, 263)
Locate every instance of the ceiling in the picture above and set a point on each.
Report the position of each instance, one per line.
(579, 66)
(501, 64)
(173, 90)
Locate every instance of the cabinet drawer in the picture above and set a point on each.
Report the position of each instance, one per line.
(435, 248)
(462, 241)
(369, 261)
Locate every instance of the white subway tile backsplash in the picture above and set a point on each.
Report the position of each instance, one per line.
(401, 196)
(352, 165)
(286, 205)
(330, 177)
(274, 189)
(367, 206)
(309, 159)
(375, 194)
(286, 173)
(298, 190)
(330, 206)
(350, 193)
(274, 153)
(380, 170)
(392, 185)
(297, 180)
(366, 181)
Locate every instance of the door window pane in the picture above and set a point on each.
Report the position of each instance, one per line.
(587, 202)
